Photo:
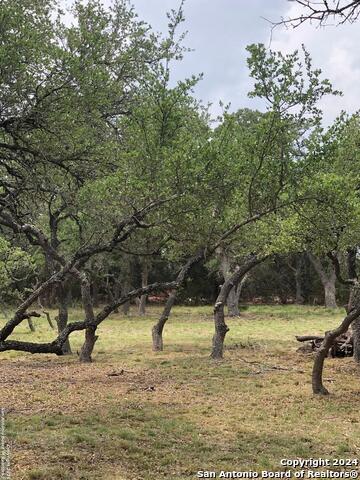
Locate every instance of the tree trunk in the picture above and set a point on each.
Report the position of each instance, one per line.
(219, 319)
(90, 337)
(225, 269)
(63, 316)
(354, 299)
(221, 330)
(330, 294)
(329, 340)
(328, 280)
(88, 346)
(356, 335)
(48, 317)
(144, 283)
(31, 325)
(351, 263)
(233, 303)
(234, 298)
(318, 368)
(126, 308)
(158, 328)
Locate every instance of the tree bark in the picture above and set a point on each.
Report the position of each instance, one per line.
(225, 269)
(31, 325)
(234, 298)
(157, 330)
(232, 303)
(356, 335)
(48, 317)
(329, 340)
(330, 294)
(328, 280)
(126, 308)
(351, 263)
(221, 328)
(353, 301)
(90, 337)
(88, 346)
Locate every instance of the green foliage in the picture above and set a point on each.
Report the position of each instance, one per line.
(330, 219)
(94, 131)
(17, 268)
(291, 86)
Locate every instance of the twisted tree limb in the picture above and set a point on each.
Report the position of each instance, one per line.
(56, 345)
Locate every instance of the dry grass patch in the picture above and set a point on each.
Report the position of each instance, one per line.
(139, 415)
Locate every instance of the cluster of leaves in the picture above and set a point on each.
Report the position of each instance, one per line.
(17, 270)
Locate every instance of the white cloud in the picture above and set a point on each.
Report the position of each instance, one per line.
(219, 31)
(335, 49)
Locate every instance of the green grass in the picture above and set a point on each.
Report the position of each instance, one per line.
(172, 413)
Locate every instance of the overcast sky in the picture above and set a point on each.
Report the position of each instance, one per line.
(219, 31)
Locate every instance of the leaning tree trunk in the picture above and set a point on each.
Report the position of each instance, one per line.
(63, 315)
(88, 346)
(328, 280)
(225, 269)
(234, 298)
(158, 328)
(329, 340)
(90, 332)
(221, 328)
(354, 300)
(48, 317)
(144, 283)
(356, 335)
(233, 303)
(31, 325)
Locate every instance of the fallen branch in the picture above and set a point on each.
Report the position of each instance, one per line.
(343, 345)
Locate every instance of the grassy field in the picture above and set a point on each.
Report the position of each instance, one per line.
(167, 415)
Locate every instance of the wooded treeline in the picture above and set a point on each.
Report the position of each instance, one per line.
(282, 279)
(116, 183)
